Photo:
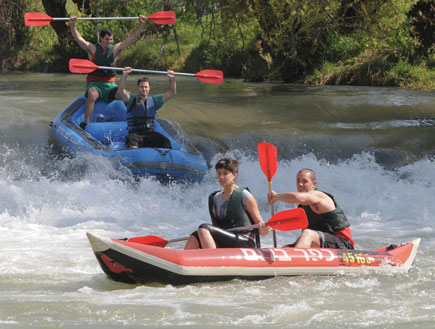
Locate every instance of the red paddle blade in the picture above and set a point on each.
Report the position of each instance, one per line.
(151, 240)
(36, 19)
(81, 66)
(287, 220)
(163, 17)
(267, 155)
(210, 76)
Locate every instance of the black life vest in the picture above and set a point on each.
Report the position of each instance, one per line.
(104, 60)
(329, 222)
(237, 215)
(141, 115)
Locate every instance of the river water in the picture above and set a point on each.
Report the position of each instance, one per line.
(373, 148)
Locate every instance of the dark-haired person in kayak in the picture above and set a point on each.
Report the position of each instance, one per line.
(233, 207)
(101, 83)
(142, 110)
(328, 227)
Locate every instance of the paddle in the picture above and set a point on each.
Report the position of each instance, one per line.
(267, 156)
(41, 19)
(86, 66)
(286, 220)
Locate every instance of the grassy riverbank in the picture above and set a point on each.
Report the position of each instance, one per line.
(374, 72)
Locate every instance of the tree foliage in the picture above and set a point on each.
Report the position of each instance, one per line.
(287, 40)
(14, 34)
(422, 16)
(293, 33)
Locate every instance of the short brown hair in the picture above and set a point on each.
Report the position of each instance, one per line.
(228, 164)
(144, 79)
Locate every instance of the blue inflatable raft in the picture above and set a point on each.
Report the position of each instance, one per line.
(106, 136)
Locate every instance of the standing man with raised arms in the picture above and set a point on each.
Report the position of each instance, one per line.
(328, 226)
(101, 83)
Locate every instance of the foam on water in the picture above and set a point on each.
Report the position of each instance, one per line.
(385, 124)
(383, 206)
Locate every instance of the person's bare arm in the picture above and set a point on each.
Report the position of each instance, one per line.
(304, 198)
(319, 201)
(120, 46)
(122, 93)
(85, 45)
(254, 212)
(172, 87)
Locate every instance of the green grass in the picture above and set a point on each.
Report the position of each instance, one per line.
(417, 77)
(376, 72)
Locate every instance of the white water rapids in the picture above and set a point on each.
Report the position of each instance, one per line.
(49, 277)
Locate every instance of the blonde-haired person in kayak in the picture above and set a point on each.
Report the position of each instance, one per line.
(233, 207)
(328, 227)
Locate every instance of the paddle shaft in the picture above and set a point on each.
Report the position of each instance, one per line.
(41, 19)
(286, 220)
(241, 228)
(86, 66)
(272, 212)
(92, 18)
(145, 71)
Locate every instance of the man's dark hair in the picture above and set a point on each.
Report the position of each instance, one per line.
(106, 31)
(144, 79)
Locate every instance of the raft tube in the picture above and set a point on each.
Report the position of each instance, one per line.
(138, 263)
(106, 134)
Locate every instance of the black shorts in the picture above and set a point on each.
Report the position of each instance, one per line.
(331, 241)
(328, 240)
(226, 239)
(147, 139)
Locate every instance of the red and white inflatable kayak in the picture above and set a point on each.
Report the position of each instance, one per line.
(139, 263)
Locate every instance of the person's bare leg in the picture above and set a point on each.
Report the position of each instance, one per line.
(93, 95)
(192, 243)
(207, 241)
(308, 239)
